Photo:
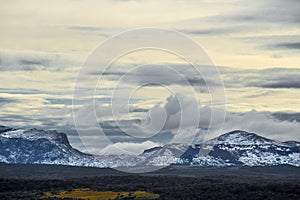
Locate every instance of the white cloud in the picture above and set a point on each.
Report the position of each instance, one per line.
(263, 123)
(128, 147)
(177, 113)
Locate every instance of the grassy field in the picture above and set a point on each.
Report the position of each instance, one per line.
(86, 193)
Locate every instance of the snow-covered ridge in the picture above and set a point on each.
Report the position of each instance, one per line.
(32, 134)
(292, 143)
(230, 149)
(238, 137)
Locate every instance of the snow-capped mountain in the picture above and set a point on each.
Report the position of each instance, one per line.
(50, 147)
(38, 146)
(233, 148)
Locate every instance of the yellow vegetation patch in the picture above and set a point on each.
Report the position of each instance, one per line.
(86, 193)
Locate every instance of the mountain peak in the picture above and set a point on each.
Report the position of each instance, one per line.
(33, 134)
(240, 137)
(38, 146)
(4, 129)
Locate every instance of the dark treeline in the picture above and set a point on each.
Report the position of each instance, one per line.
(168, 187)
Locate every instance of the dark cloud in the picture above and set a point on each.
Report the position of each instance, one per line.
(198, 81)
(282, 84)
(30, 121)
(267, 18)
(68, 101)
(62, 101)
(31, 61)
(27, 91)
(269, 11)
(156, 75)
(110, 73)
(281, 70)
(278, 81)
(11, 61)
(290, 46)
(266, 78)
(115, 134)
(115, 124)
(139, 110)
(5, 101)
(291, 117)
(212, 31)
(85, 28)
(273, 15)
(14, 119)
(34, 62)
(275, 42)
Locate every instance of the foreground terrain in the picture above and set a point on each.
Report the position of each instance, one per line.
(86, 193)
(38, 181)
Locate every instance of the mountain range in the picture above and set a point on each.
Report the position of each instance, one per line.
(236, 148)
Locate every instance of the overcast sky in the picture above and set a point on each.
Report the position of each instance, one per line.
(255, 45)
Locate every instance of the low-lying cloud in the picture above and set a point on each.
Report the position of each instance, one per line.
(128, 147)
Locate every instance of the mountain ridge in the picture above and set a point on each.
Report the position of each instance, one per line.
(37, 146)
